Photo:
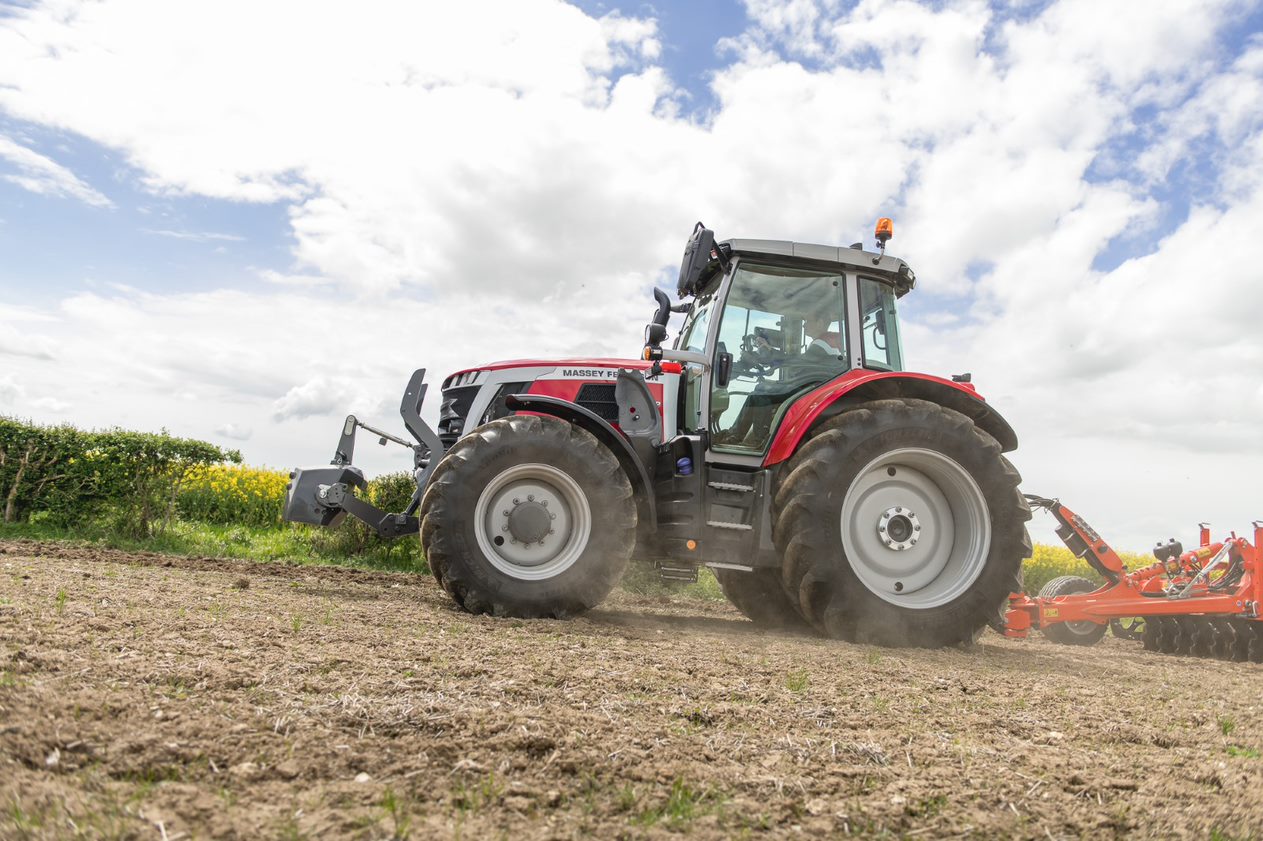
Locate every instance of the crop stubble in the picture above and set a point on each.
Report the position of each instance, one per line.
(144, 695)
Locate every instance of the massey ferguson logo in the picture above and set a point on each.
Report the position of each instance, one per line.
(589, 373)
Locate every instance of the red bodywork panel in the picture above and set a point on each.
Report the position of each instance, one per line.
(807, 409)
(634, 364)
(569, 389)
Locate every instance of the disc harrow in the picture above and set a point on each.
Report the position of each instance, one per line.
(1201, 603)
(1234, 639)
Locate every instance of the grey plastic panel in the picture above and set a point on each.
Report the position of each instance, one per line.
(638, 414)
(815, 252)
(853, 258)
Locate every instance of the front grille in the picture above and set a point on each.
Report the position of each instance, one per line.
(452, 412)
(599, 398)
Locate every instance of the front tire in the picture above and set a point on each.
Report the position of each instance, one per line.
(528, 516)
(900, 523)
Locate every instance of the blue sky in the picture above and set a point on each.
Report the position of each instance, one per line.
(242, 220)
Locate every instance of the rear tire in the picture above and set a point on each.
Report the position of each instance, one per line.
(899, 522)
(761, 598)
(1072, 633)
(528, 516)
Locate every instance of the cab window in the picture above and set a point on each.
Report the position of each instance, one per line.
(785, 330)
(880, 326)
(693, 337)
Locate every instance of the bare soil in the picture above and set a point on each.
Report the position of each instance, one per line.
(146, 696)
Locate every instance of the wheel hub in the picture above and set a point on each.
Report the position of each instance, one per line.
(529, 521)
(915, 528)
(532, 521)
(899, 528)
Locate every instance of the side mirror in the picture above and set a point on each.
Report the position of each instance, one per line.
(723, 369)
(696, 256)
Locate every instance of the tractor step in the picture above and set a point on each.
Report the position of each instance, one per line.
(734, 526)
(730, 486)
(676, 572)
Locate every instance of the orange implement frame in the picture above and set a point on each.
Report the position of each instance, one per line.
(1221, 579)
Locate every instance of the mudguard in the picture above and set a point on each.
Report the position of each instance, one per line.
(874, 385)
(606, 434)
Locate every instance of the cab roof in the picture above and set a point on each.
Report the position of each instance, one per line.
(890, 269)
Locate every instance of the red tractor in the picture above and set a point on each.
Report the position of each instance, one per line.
(778, 441)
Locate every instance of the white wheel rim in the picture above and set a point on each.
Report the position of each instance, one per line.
(532, 522)
(915, 528)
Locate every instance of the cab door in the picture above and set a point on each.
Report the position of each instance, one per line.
(781, 332)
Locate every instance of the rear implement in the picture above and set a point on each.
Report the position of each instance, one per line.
(1203, 602)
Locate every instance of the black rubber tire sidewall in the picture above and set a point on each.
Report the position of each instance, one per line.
(808, 505)
(1060, 632)
(759, 596)
(448, 525)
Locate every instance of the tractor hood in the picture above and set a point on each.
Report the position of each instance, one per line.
(575, 364)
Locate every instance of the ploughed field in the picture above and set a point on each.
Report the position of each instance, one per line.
(144, 696)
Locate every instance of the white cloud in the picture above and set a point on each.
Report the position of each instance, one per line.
(51, 404)
(10, 390)
(197, 236)
(42, 175)
(317, 396)
(15, 396)
(235, 431)
(15, 343)
(467, 184)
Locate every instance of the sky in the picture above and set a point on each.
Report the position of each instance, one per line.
(241, 220)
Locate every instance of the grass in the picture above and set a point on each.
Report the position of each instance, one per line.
(471, 799)
(682, 805)
(294, 544)
(797, 680)
(397, 813)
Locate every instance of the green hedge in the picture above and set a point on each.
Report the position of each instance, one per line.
(64, 474)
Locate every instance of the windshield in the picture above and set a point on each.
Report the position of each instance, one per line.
(785, 331)
(693, 333)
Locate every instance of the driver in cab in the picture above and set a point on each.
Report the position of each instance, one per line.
(817, 360)
(824, 342)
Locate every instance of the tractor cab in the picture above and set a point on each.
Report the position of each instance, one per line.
(770, 321)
